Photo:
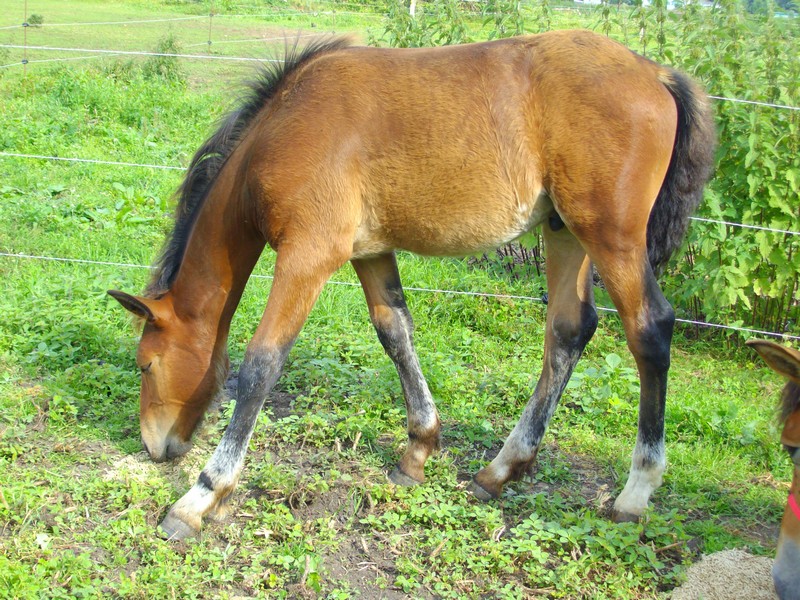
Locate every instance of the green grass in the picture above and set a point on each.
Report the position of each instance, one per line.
(314, 515)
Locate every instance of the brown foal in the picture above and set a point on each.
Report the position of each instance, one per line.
(350, 153)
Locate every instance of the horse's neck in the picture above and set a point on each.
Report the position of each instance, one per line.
(219, 257)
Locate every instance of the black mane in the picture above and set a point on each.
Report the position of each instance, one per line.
(210, 158)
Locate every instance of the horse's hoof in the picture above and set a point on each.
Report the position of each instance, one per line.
(397, 477)
(621, 516)
(480, 492)
(174, 529)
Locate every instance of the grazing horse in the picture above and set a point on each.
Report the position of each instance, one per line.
(345, 153)
(786, 569)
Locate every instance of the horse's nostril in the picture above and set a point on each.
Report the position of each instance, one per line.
(176, 449)
(146, 449)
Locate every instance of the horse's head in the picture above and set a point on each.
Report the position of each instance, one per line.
(178, 377)
(786, 570)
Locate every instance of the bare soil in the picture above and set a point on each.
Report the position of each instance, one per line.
(728, 575)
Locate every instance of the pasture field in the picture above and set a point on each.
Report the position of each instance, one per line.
(314, 515)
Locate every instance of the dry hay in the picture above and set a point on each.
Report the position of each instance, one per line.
(728, 575)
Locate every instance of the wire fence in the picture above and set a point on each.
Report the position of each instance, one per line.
(102, 52)
(139, 53)
(101, 23)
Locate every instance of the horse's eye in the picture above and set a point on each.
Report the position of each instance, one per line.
(145, 368)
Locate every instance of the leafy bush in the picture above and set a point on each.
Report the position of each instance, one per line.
(165, 66)
(730, 274)
(441, 24)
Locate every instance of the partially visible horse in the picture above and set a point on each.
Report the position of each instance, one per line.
(350, 153)
(786, 569)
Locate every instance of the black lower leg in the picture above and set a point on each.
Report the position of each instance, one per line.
(650, 345)
(565, 343)
(651, 350)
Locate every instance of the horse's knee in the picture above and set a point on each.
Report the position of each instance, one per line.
(258, 372)
(575, 333)
(395, 330)
(652, 345)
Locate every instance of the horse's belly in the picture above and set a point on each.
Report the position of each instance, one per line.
(451, 228)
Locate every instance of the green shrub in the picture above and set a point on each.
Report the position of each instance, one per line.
(165, 66)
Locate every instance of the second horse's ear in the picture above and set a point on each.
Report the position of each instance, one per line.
(135, 304)
(781, 359)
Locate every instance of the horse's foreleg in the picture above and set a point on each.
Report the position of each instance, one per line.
(257, 374)
(571, 322)
(648, 320)
(392, 320)
(299, 277)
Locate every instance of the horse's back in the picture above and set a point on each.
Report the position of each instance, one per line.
(453, 150)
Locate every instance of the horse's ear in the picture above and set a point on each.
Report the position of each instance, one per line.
(138, 306)
(781, 359)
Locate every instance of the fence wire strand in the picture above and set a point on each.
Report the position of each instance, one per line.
(252, 40)
(492, 295)
(745, 226)
(138, 53)
(90, 161)
(176, 168)
(756, 103)
(80, 24)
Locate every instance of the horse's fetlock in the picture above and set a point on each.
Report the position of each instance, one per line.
(428, 437)
(221, 510)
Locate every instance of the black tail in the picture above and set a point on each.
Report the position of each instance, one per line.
(212, 155)
(689, 169)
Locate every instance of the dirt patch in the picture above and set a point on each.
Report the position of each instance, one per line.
(365, 566)
(555, 471)
(363, 558)
(585, 480)
(728, 575)
(136, 467)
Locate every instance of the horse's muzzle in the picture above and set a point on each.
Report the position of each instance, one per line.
(172, 449)
(786, 570)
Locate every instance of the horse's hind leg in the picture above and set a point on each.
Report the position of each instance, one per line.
(648, 320)
(392, 320)
(300, 272)
(571, 322)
